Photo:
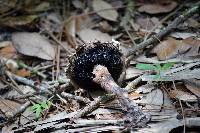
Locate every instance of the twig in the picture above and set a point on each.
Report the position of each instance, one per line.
(78, 98)
(135, 116)
(154, 39)
(131, 86)
(93, 105)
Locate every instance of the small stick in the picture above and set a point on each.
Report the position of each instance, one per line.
(135, 116)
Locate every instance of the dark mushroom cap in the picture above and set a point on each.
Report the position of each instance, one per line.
(87, 57)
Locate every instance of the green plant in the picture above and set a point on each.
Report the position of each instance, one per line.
(40, 107)
(158, 68)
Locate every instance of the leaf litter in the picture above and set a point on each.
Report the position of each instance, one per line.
(35, 36)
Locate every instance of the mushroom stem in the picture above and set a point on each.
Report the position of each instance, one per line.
(135, 116)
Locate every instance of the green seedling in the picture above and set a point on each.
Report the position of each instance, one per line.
(158, 68)
(40, 107)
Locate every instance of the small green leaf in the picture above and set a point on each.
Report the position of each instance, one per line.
(167, 66)
(38, 112)
(145, 66)
(44, 105)
(158, 67)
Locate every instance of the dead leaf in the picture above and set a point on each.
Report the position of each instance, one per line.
(23, 73)
(7, 5)
(182, 35)
(70, 31)
(153, 100)
(145, 88)
(182, 95)
(33, 44)
(134, 95)
(8, 51)
(193, 85)
(132, 72)
(5, 44)
(42, 6)
(193, 23)
(105, 10)
(11, 65)
(170, 48)
(74, 25)
(147, 23)
(194, 44)
(18, 20)
(89, 35)
(8, 107)
(156, 8)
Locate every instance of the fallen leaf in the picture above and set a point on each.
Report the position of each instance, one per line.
(33, 44)
(193, 23)
(105, 10)
(134, 95)
(8, 51)
(23, 73)
(42, 6)
(153, 100)
(89, 35)
(18, 20)
(132, 72)
(156, 8)
(10, 4)
(182, 35)
(182, 95)
(194, 46)
(145, 88)
(170, 48)
(145, 23)
(5, 44)
(193, 85)
(78, 4)
(8, 107)
(74, 25)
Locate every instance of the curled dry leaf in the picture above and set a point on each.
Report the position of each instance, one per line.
(105, 10)
(156, 8)
(33, 44)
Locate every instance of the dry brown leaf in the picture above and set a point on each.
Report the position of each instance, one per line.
(33, 44)
(5, 43)
(7, 5)
(145, 23)
(8, 107)
(193, 23)
(193, 85)
(182, 35)
(8, 51)
(182, 95)
(74, 25)
(18, 20)
(134, 95)
(132, 72)
(105, 10)
(89, 35)
(156, 8)
(23, 73)
(170, 48)
(194, 44)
